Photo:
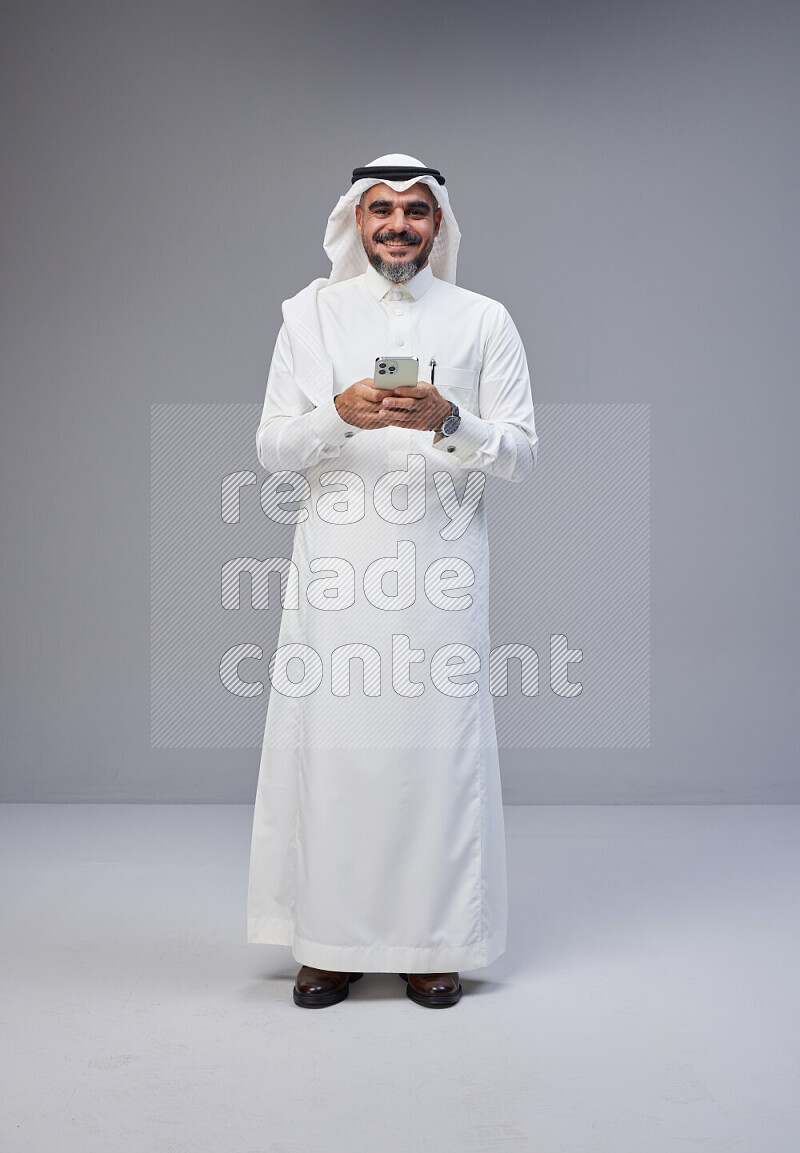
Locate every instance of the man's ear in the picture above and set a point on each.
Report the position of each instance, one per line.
(358, 217)
(437, 220)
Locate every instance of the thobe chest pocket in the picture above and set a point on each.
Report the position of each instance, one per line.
(459, 385)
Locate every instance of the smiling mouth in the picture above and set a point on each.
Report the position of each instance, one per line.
(397, 243)
(401, 251)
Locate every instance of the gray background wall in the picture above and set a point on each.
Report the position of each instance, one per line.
(625, 176)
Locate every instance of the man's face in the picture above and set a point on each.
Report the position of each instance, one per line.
(398, 229)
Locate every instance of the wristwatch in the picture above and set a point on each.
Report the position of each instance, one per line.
(450, 423)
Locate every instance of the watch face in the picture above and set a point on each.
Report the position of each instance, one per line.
(451, 425)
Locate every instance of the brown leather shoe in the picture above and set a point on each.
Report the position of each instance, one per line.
(315, 988)
(435, 990)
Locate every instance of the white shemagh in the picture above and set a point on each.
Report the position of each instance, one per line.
(312, 367)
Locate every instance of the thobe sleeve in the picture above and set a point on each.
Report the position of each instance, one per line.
(502, 441)
(293, 433)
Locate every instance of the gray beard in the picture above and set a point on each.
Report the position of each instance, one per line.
(397, 273)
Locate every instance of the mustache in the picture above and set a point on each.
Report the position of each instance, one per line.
(406, 237)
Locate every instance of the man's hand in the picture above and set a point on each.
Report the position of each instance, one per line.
(419, 406)
(360, 404)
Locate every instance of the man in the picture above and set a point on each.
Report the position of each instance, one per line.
(378, 838)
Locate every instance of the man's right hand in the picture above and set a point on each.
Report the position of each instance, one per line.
(361, 404)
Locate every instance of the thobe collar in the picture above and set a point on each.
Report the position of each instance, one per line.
(383, 289)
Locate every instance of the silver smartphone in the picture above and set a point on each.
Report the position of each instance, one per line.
(391, 371)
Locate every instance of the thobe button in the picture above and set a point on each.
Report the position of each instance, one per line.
(400, 340)
(398, 312)
(451, 448)
(348, 434)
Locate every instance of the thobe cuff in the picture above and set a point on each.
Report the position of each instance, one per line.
(471, 434)
(329, 426)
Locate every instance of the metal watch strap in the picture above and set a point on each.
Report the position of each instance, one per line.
(452, 412)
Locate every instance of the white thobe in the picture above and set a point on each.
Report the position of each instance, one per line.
(378, 840)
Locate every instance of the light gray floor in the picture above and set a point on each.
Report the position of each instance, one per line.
(648, 1000)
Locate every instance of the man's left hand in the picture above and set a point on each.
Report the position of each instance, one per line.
(419, 406)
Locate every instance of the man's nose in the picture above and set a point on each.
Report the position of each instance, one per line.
(398, 220)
